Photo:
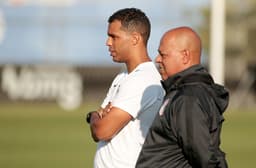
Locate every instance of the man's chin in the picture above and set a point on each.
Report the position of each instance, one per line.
(164, 77)
(115, 60)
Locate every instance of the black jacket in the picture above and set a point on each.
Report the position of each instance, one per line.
(186, 133)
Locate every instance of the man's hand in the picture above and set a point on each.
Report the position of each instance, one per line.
(104, 111)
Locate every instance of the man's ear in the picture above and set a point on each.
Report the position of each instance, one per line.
(186, 56)
(136, 37)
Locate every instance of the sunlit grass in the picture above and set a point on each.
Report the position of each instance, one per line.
(43, 135)
(239, 138)
(39, 136)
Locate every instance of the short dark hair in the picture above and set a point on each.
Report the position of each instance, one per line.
(133, 19)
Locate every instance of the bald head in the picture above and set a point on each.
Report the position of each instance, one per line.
(185, 38)
(179, 49)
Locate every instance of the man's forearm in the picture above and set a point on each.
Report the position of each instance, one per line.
(106, 123)
(93, 120)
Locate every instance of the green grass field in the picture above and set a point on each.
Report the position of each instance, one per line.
(239, 138)
(43, 135)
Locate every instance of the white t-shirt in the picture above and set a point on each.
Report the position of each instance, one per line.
(140, 94)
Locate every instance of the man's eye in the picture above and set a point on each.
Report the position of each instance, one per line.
(161, 54)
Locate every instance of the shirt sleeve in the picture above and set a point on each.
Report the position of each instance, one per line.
(192, 126)
(136, 94)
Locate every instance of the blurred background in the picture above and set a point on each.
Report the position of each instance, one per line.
(55, 67)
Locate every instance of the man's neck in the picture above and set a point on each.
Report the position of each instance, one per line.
(133, 64)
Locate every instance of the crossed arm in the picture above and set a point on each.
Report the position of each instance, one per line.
(106, 122)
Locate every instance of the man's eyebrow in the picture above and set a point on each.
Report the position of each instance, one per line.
(110, 34)
(161, 52)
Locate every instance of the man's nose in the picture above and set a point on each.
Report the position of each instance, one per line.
(158, 59)
(108, 42)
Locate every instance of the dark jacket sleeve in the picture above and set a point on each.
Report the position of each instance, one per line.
(192, 128)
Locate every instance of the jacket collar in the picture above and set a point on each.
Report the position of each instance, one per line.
(196, 73)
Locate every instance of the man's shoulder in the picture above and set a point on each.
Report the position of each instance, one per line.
(147, 72)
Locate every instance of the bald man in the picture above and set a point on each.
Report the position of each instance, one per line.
(186, 131)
